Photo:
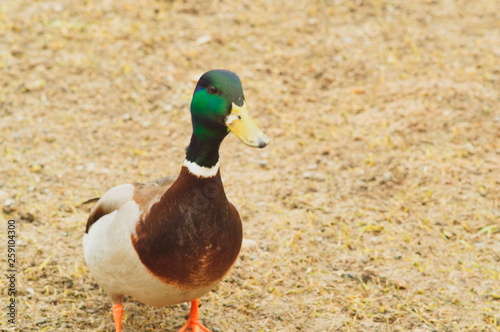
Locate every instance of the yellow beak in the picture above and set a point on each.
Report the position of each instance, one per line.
(242, 125)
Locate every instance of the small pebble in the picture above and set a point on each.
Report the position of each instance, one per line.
(9, 202)
(3, 195)
(248, 243)
(203, 39)
(316, 176)
(399, 283)
(167, 107)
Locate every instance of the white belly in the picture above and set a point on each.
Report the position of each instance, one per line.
(115, 265)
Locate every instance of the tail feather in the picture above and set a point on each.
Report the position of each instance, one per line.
(92, 200)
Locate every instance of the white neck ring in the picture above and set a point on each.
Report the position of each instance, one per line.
(201, 171)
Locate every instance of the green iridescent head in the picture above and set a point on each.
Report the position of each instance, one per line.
(218, 106)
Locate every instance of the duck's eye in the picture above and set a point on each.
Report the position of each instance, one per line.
(212, 90)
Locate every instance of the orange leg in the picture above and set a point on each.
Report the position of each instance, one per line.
(193, 321)
(117, 316)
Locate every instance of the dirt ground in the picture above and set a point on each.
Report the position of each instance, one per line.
(375, 208)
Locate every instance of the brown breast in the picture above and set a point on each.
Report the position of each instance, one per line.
(192, 235)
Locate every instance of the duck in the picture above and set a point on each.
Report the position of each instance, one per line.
(172, 240)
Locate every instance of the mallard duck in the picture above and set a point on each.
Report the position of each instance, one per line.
(172, 240)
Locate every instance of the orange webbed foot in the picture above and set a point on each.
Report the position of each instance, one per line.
(117, 316)
(193, 321)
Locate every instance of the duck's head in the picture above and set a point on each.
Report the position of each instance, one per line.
(218, 107)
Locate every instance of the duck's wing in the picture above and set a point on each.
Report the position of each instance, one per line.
(161, 182)
(144, 194)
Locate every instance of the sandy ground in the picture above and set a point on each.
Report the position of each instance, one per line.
(375, 208)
